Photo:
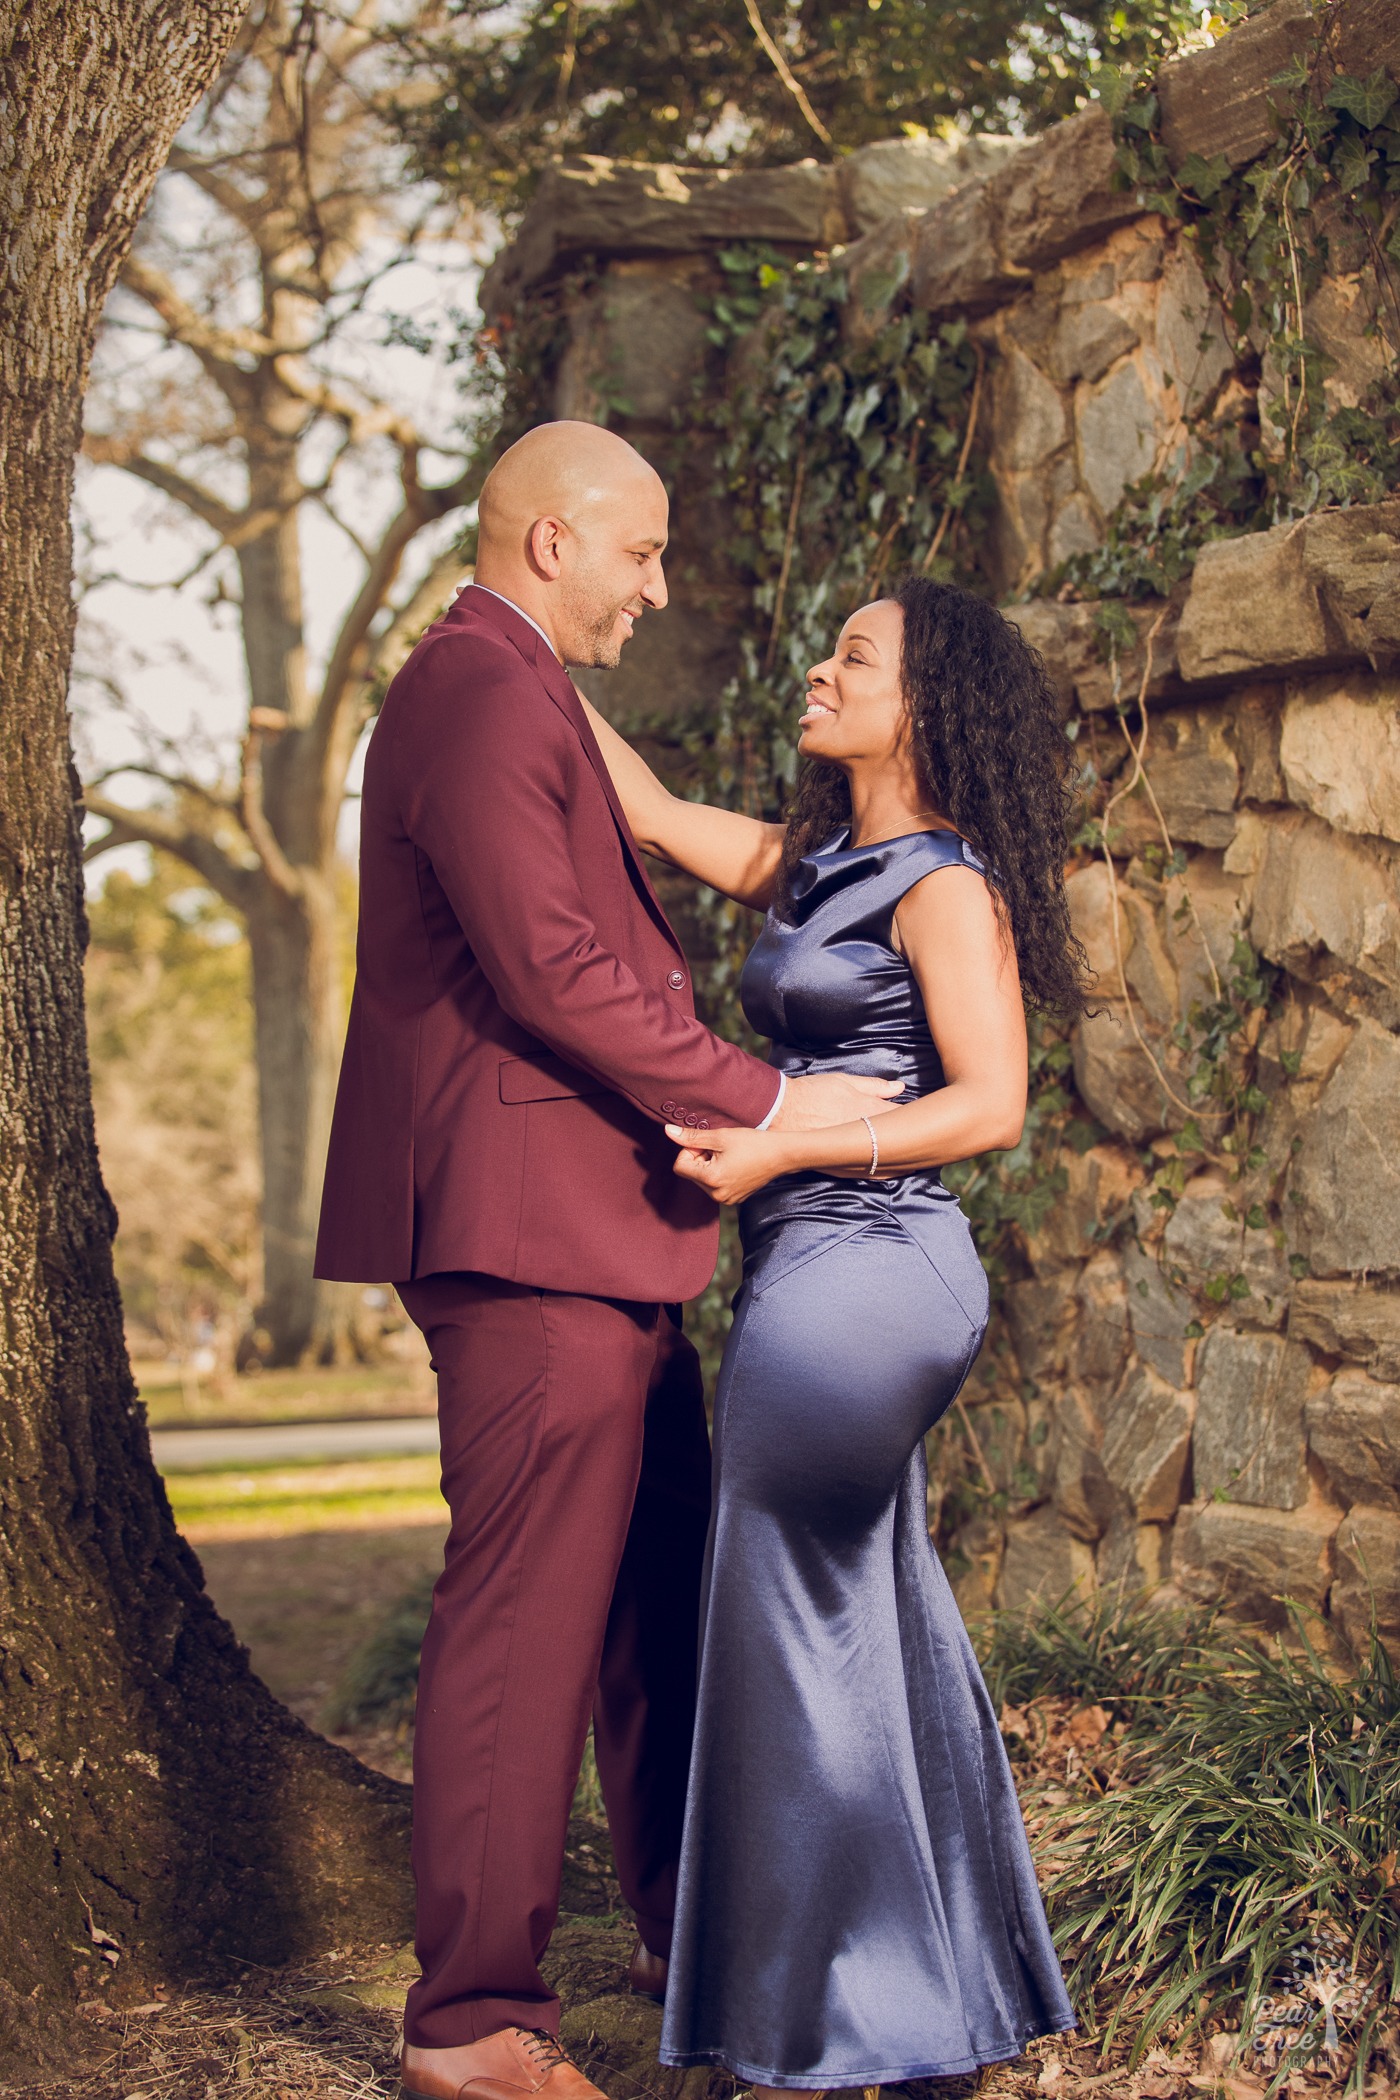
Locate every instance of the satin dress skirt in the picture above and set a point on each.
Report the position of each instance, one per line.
(857, 1903)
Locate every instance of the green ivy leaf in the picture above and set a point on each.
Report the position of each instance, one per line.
(1204, 177)
(1368, 100)
(1113, 85)
(1351, 164)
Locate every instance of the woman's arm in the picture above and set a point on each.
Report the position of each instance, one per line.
(948, 930)
(738, 856)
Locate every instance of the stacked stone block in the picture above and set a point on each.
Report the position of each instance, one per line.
(1258, 1461)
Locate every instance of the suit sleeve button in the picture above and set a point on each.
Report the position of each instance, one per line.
(676, 980)
(668, 1108)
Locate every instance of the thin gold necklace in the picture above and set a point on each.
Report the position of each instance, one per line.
(938, 824)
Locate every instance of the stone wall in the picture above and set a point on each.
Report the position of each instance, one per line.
(1261, 1458)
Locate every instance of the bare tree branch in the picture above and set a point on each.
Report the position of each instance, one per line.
(221, 517)
(362, 420)
(164, 830)
(784, 71)
(182, 783)
(218, 349)
(275, 864)
(361, 546)
(351, 657)
(248, 211)
(429, 598)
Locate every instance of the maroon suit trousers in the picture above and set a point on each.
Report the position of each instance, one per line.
(575, 1463)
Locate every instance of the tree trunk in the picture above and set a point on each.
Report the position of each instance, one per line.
(298, 1010)
(298, 1019)
(150, 1787)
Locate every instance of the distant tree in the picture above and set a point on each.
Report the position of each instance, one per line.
(159, 1812)
(170, 1030)
(249, 401)
(748, 80)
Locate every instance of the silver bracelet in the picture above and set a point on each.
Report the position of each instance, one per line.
(874, 1148)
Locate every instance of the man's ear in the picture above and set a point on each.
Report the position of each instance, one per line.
(545, 547)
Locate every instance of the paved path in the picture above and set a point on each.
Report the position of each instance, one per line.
(292, 1443)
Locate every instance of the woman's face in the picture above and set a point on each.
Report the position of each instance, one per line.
(855, 712)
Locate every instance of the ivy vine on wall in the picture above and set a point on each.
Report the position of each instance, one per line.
(842, 456)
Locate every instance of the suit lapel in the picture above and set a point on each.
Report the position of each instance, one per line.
(559, 686)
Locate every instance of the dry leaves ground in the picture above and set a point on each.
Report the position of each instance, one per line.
(331, 2033)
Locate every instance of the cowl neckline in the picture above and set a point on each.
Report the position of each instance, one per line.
(838, 865)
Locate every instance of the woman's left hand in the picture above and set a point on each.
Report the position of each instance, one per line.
(732, 1164)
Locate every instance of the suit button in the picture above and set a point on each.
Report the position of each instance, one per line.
(676, 980)
(692, 1121)
(668, 1108)
(702, 1123)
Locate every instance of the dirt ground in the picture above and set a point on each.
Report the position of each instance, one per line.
(303, 1601)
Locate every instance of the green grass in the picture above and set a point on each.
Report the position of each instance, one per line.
(264, 1500)
(380, 1681)
(1242, 1866)
(349, 1392)
(1123, 1656)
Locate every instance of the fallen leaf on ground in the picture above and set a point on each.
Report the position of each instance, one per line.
(1089, 1726)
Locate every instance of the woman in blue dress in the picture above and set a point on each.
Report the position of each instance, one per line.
(857, 1903)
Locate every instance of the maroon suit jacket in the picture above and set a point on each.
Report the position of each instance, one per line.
(522, 1022)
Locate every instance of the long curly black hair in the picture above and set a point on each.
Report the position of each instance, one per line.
(996, 763)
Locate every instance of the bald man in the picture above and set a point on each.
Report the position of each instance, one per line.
(522, 1028)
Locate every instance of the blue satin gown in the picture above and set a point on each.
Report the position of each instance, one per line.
(857, 1903)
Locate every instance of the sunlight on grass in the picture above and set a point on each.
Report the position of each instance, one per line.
(345, 1392)
(268, 1501)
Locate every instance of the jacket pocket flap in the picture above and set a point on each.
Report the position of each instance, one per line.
(545, 1078)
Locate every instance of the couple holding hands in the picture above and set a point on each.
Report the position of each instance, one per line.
(812, 1812)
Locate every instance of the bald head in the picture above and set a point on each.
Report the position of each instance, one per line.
(573, 524)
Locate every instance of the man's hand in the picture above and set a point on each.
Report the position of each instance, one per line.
(815, 1099)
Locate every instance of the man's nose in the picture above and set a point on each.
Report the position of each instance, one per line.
(655, 592)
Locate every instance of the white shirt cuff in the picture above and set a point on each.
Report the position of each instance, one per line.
(777, 1101)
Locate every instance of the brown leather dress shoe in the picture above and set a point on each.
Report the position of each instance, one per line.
(516, 2064)
(646, 1976)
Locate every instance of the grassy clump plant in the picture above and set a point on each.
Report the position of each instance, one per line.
(1122, 1654)
(379, 1685)
(1240, 1865)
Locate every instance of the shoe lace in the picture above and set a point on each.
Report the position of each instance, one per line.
(543, 2048)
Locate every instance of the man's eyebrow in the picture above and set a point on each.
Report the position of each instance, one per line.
(648, 543)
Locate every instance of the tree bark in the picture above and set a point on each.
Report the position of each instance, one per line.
(151, 1790)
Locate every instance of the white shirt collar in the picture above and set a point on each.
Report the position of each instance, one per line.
(501, 599)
